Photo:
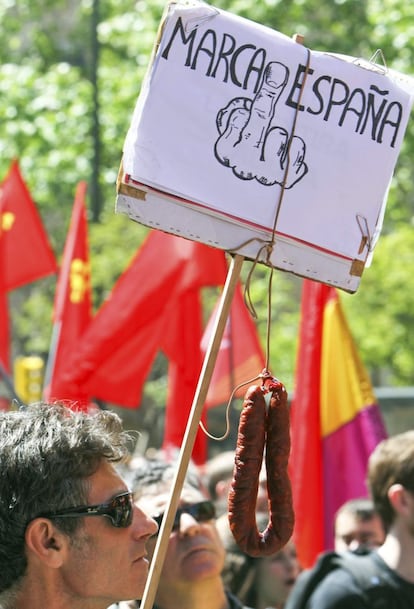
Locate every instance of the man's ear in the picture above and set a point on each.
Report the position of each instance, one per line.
(46, 542)
(400, 499)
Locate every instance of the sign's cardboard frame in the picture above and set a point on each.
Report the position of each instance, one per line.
(307, 193)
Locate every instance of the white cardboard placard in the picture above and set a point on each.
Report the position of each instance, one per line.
(242, 137)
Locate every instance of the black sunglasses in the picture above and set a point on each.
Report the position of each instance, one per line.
(119, 510)
(202, 512)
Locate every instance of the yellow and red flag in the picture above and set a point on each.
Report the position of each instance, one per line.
(335, 421)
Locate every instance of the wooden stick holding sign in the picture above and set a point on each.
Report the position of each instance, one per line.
(191, 431)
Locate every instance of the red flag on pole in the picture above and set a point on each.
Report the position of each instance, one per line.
(114, 355)
(4, 331)
(27, 253)
(240, 357)
(335, 421)
(4, 311)
(73, 300)
(181, 343)
(5, 366)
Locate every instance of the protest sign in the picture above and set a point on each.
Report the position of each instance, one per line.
(247, 141)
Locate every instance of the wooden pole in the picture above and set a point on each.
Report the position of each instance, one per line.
(191, 431)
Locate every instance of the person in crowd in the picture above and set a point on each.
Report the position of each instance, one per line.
(357, 526)
(66, 516)
(260, 583)
(219, 474)
(194, 559)
(389, 583)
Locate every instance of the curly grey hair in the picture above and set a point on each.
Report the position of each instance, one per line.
(47, 452)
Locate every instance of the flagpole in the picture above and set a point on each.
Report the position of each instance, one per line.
(8, 382)
(51, 360)
(191, 430)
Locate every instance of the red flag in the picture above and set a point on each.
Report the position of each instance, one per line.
(73, 299)
(4, 311)
(5, 367)
(114, 356)
(4, 331)
(240, 357)
(335, 421)
(27, 253)
(181, 343)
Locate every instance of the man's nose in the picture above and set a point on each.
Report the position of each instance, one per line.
(144, 524)
(188, 524)
(354, 545)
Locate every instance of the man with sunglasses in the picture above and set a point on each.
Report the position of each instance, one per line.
(194, 559)
(66, 515)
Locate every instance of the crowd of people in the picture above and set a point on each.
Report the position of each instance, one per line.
(79, 523)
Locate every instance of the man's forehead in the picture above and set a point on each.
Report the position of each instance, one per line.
(349, 522)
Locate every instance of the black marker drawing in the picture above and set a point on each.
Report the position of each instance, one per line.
(250, 145)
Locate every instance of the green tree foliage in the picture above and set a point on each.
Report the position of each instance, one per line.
(47, 122)
(381, 314)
